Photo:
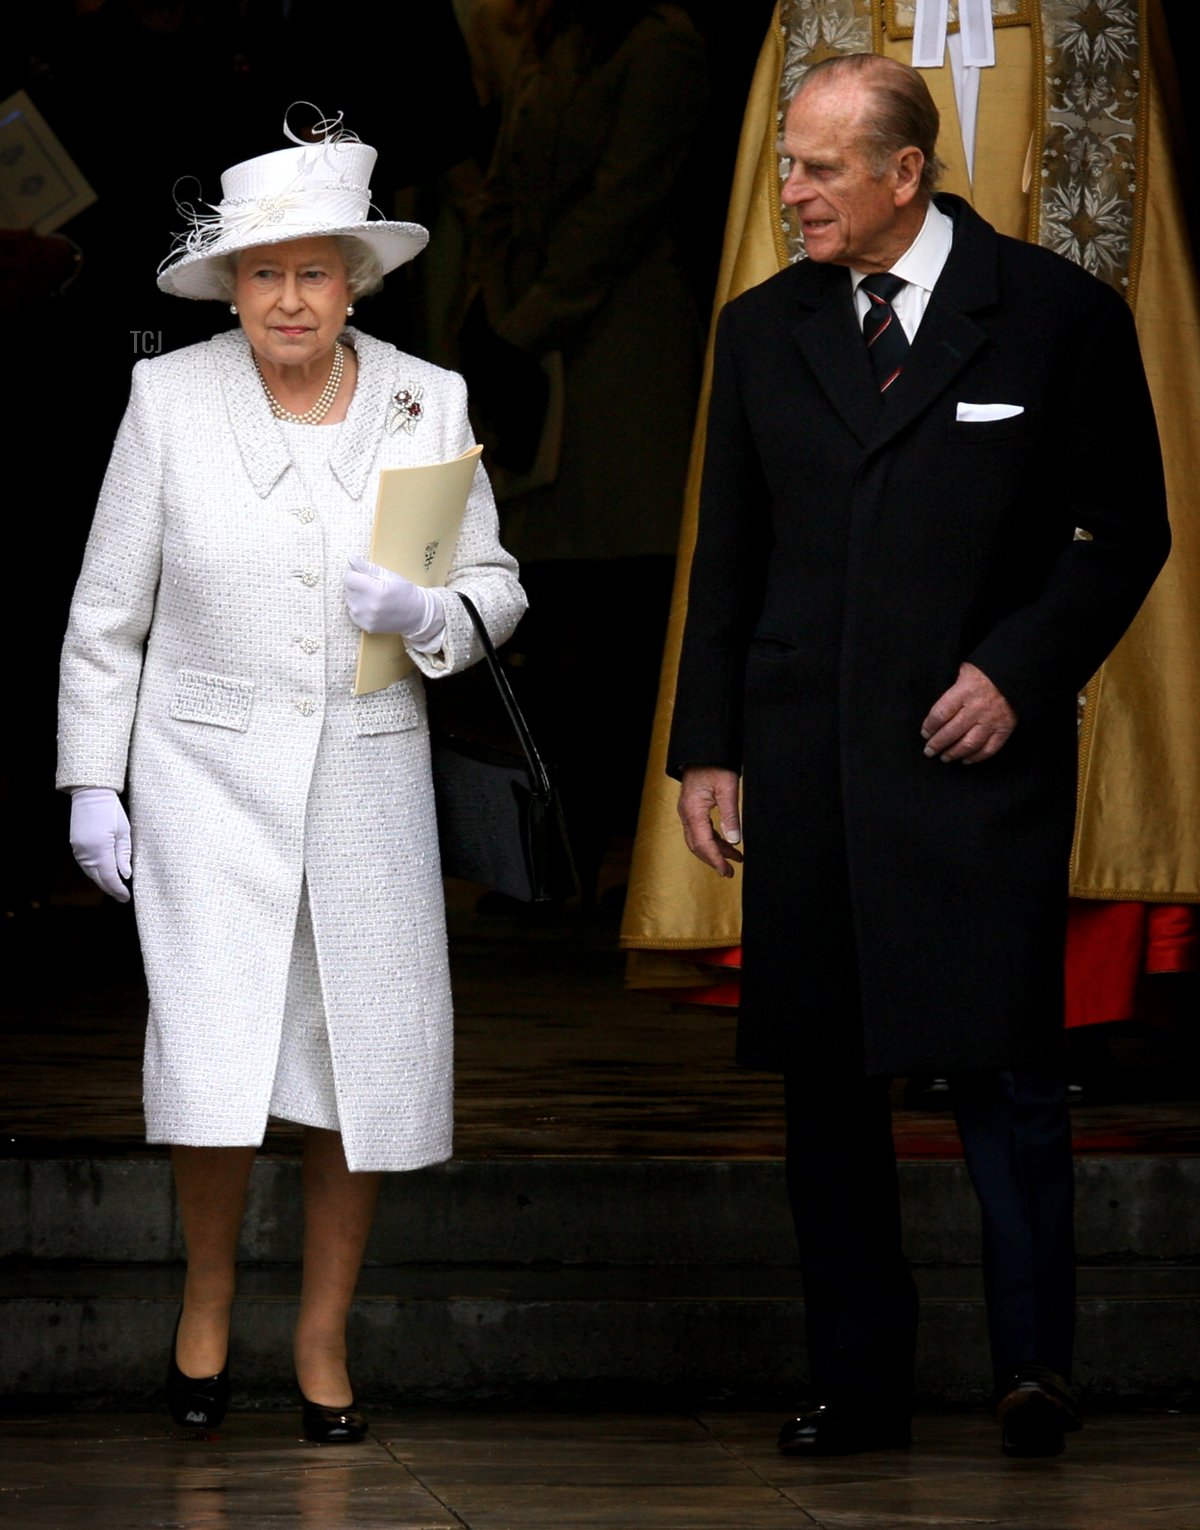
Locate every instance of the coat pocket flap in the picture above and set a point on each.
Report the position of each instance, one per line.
(393, 710)
(222, 700)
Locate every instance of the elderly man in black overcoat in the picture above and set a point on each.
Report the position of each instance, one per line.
(932, 502)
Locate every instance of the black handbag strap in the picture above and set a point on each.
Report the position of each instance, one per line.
(539, 778)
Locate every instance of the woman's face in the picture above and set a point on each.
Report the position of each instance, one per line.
(291, 300)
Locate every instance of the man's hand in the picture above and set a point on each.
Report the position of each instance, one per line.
(703, 789)
(971, 722)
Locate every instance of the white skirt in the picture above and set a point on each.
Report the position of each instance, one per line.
(304, 1091)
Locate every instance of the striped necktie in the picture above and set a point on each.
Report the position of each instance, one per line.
(887, 343)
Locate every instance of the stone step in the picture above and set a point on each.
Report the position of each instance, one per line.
(528, 1211)
(448, 1334)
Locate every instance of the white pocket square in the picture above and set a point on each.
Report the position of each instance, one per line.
(979, 412)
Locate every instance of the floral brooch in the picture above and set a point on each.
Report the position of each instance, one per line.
(405, 411)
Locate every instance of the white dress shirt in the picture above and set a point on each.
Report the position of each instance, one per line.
(920, 266)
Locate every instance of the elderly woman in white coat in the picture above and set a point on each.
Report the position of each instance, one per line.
(284, 857)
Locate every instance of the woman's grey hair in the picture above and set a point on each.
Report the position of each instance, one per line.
(364, 274)
(902, 114)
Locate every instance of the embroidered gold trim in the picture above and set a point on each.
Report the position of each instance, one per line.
(1092, 127)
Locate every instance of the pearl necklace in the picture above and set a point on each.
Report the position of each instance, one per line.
(317, 412)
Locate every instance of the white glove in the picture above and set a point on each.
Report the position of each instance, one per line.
(100, 838)
(380, 601)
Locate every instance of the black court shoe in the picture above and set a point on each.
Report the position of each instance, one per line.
(1036, 1413)
(844, 1429)
(332, 1426)
(196, 1402)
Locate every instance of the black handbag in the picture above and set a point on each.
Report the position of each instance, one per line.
(499, 818)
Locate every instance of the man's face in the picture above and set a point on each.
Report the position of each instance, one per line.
(848, 214)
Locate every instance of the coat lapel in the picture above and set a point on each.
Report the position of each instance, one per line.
(261, 443)
(830, 340)
(358, 439)
(948, 335)
(832, 345)
(263, 450)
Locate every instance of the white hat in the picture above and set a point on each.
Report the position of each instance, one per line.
(316, 190)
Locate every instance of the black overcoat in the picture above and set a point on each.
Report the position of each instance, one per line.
(852, 552)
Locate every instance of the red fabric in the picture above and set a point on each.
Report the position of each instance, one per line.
(727, 956)
(1109, 947)
(725, 991)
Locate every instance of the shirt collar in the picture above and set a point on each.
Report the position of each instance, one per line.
(921, 264)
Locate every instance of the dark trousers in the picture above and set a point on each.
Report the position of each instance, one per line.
(860, 1300)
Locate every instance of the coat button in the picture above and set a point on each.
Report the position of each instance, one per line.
(305, 514)
(306, 706)
(308, 644)
(307, 576)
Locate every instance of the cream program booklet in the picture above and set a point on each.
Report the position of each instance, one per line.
(418, 516)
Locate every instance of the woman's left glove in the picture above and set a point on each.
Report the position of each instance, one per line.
(380, 601)
(100, 838)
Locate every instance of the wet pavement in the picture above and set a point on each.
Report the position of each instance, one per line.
(447, 1470)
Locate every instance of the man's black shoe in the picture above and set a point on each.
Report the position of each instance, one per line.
(843, 1429)
(1036, 1412)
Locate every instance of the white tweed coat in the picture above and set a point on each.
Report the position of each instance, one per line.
(208, 664)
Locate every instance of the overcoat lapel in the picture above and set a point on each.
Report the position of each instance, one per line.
(829, 338)
(831, 343)
(948, 336)
(944, 344)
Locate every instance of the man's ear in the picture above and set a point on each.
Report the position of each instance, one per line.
(907, 167)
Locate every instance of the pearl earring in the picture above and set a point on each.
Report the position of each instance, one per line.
(233, 308)
(349, 309)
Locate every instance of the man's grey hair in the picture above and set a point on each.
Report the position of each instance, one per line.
(364, 274)
(902, 113)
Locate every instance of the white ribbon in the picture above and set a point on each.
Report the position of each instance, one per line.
(221, 223)
(971, 48)
(978, 36)
(328, 130)
(966, 96)
(327, 127)
(975, 28)
(929, 33)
